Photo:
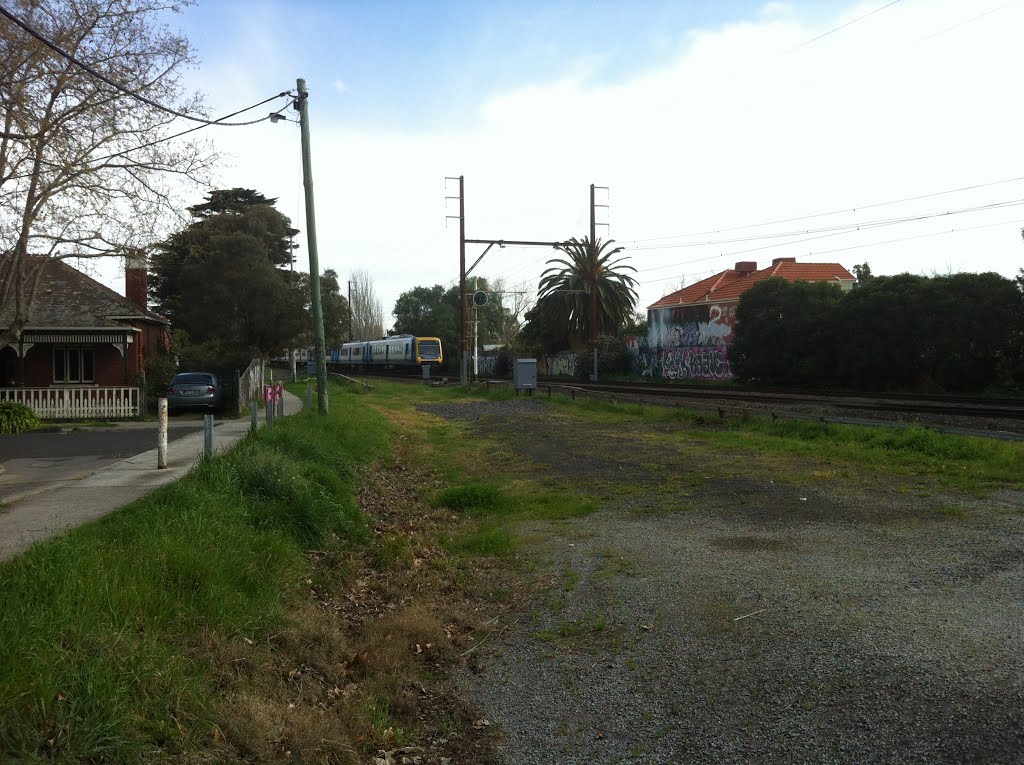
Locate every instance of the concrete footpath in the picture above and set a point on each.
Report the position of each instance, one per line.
(39, 514)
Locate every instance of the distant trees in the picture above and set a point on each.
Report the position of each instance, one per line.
(335, 310)
(863, 272)
(434, 311)
(367, 310)
(959, 333)
(220, 280)
(429, 311)
(82, 169)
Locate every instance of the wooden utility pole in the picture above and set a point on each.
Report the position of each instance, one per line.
(302, 104)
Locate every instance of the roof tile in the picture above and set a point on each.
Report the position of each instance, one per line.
(66, 297)
(730, 284)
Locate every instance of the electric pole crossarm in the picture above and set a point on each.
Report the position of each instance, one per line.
(516, 242)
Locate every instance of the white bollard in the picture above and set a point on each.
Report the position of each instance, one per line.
(161, 434)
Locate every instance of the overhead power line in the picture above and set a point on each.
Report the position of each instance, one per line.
(843, 26)
(830, 212)
(201, 127)
(966, 21)
(831, 230)
(103, 78)
(844, 249)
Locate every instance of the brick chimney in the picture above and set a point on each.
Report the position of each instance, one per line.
(746, 266)
(136, 279)
(776, 261)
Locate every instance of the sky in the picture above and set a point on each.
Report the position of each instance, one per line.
(705, 120)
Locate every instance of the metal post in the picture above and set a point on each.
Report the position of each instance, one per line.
(593, 285)
(476, 331)
(302, 102)
(463, 372)
(207, 435)
(280, 404)
(254, 415)
(161, 433)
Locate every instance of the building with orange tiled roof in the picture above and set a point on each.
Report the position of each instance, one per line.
(689, 330)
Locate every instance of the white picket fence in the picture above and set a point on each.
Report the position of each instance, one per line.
(77, 402)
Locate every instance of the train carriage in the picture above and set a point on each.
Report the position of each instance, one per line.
(395, 352)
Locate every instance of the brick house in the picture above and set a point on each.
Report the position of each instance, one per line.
(83, 343)
(688, 331)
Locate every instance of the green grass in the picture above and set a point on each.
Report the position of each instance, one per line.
(588, 625)
(484, 541)
(102, 627)
(964, 462)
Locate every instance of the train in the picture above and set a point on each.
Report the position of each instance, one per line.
(395, 352)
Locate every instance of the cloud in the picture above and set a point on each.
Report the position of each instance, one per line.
(340, 87)
(738, 126)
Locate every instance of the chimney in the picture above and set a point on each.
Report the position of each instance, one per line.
(746, 266)
(136, 279)
(776, 261)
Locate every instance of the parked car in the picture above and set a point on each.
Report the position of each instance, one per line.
(195, 390)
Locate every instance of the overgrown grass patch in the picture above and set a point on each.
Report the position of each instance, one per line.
(104, 627)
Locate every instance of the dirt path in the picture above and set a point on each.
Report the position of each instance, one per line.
(717, 610)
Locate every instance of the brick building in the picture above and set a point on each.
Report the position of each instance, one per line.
(81, 334)
(689, 330)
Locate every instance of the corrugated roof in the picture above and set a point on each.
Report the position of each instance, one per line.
(730, 284)
(67, 298)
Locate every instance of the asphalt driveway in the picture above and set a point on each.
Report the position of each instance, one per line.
(34, 461)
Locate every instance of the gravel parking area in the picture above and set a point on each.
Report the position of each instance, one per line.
(717, 610)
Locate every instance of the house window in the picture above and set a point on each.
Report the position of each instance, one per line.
(73, 365)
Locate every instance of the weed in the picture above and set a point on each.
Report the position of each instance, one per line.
(493, 540)
(472, 498)
(574, 628)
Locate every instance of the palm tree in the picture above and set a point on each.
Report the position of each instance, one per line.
(590, 270)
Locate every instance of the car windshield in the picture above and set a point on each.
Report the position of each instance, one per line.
(192, 379)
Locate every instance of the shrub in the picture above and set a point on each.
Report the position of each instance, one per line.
(613, 357)
(16, 418)
(503, 364)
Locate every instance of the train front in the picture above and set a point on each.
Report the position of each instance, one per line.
(428, 350)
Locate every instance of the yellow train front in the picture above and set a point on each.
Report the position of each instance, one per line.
(395, 352)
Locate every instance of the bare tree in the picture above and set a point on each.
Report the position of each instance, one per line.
(367, 310)
(513, 306)
(82, 170)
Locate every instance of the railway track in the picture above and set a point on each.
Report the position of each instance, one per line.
(1008, 409)
(1001, 418)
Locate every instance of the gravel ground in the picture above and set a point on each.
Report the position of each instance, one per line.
(719, 610)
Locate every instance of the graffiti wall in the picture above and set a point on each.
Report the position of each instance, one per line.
(560, 363)
(688, 343)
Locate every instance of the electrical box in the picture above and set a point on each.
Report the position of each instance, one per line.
(524, 374)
